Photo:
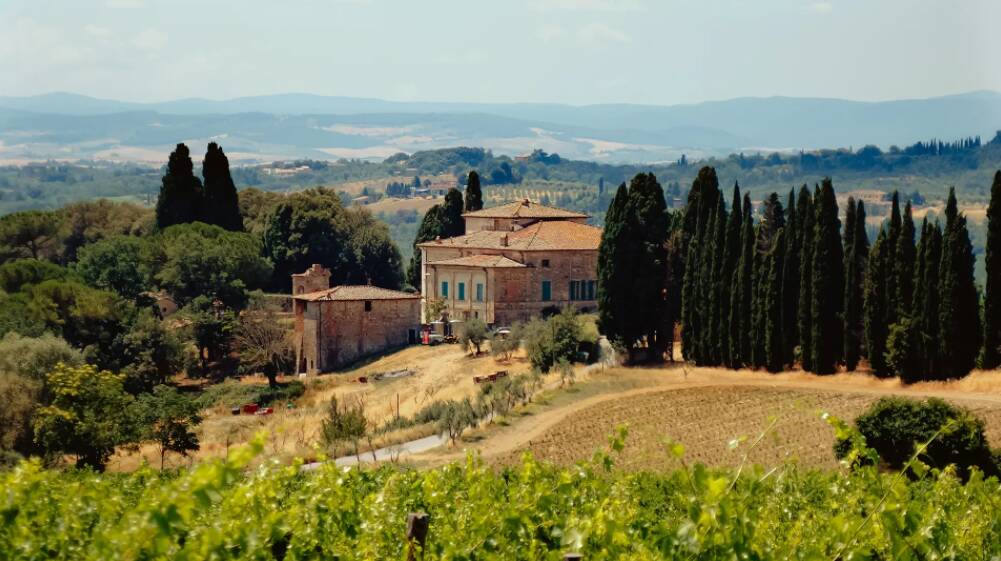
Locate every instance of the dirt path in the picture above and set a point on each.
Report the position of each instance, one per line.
(521, 431)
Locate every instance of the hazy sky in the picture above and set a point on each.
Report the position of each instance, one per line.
(569, 51)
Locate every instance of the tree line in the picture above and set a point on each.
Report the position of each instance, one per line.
(84, 283)
(444, 220)
(797, 285)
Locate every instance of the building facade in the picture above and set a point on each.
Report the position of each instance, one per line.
(514, 261)
(339, 325)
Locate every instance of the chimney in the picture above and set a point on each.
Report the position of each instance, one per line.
(503, 240)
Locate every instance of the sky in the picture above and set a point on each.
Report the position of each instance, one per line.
(566, 51)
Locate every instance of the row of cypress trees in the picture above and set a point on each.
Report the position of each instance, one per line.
(798, 287)
(184, 198)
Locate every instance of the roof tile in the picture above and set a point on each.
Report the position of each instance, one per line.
(541, 236)
(355, 292)
(523, 209)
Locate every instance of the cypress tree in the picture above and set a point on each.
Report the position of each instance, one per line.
(731, 258)
(856, 259)
(690, 324)
(806, 213)
(613, 270)
(828, 280)
(790, 281)
(705, 261)
(222, 204)
(180, 199)
(758, 294)
(647, 219)
(959, 310)
(892, 305)
(474, 195)
(714, 291)
(774, 341)
(702, 198)
(992, 287)
(904, 264)
(452, 223)
(874, 305)
(740, 293)
(772, 221)
(927, 307)
(430, 228)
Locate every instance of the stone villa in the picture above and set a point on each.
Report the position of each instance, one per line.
(514, 261)
(336, 326)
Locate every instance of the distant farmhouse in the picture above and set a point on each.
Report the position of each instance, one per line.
(514, 261)
(336, 326)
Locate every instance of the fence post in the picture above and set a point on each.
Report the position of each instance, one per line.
(417, 533)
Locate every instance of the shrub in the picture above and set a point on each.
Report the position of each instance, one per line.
(35, 357)
(558, 337)
(473, 335)
(503, 347)
(232, 393)
(895, 426)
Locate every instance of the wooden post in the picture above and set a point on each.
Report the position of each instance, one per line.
(573, 557)
(417, 533)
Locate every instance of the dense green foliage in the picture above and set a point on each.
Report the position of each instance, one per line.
(473, 193)
(443, 220)
(633, 268)
(314, 227)
(558, 338)
(222, 510)
(894, 427)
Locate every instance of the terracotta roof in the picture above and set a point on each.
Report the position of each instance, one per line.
(541, 236)
(523, 209)
(355, 292)
(487, 261)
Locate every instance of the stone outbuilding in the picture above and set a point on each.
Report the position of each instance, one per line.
(339, 325)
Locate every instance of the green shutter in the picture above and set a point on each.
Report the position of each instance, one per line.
(547, 291)
(462, 291)
(444, 289)
(479, 292)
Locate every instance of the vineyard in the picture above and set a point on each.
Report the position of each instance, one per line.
(223, 510)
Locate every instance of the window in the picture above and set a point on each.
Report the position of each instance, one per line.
(368, 305)
(479, 292)
(444, 289)
(545, 263)
(547, 291)
(574, 290)
(462, 291)
(592, 291)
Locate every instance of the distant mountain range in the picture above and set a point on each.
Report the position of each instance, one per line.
(263, 128)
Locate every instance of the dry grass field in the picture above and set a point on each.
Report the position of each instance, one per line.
(439, 373)
(716, 414)
(392, 204)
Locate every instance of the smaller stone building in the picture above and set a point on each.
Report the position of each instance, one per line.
(339, 325)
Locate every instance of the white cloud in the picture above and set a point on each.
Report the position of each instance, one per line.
(601, 33)
(584, 5)
(550, 32)
(97, 30)
(150, 40)
(821, 7)
(127, 4)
